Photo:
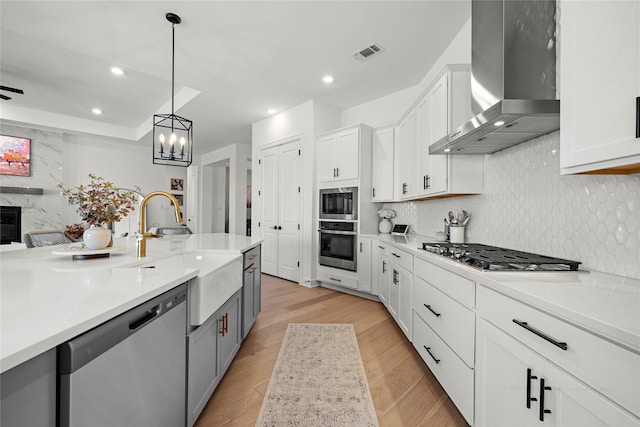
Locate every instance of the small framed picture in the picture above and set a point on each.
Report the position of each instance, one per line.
(177, 184)
(179, 198)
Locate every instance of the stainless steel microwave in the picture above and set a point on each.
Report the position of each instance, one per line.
(339, 203)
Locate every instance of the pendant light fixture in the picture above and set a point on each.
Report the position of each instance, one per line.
(172, 135)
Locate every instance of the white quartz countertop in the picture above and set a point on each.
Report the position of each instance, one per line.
(605, 304)
(47, 299)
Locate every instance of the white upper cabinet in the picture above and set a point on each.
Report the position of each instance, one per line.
(339, 155)
(432, 124)
(445, 105)
(383, 153)
(599, 86)
(406, 164)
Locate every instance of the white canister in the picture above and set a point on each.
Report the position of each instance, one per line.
(456, 234)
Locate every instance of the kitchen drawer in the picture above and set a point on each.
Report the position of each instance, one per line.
(252, 256)
(383, 248)
(337, 277)
(402, 258)
(607, 367)
(453, 322)
(454, 376)
(457, 287)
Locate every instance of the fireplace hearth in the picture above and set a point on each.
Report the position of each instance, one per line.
(10, 224)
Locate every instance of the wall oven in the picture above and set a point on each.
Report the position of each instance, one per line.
(338, 245)
(339, 203)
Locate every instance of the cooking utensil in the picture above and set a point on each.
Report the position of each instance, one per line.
(451, 217)
(466, 220)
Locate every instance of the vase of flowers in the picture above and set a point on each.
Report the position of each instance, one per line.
(385, 224)
(99, 203)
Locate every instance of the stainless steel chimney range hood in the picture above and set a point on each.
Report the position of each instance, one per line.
(513, 77)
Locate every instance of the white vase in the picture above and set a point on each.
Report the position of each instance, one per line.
(384, 226)
(96, 237)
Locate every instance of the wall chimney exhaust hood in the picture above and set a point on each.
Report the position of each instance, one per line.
(513, 77)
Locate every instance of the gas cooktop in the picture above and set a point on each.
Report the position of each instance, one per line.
(484, 257)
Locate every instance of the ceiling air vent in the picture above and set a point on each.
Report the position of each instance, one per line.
(369, 51)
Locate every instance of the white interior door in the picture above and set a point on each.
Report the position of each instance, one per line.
(289, 212)
(269, 209)
(192, 199)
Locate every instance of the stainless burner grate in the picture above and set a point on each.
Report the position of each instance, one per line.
(499, 259)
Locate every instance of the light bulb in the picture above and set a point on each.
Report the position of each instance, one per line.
(161, 138)
(173, 138)
(182, 141)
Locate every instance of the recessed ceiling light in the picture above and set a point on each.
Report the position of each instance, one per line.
(327, 79)
(498, 123)
(117, 71)
(96, 111)
(271, 110)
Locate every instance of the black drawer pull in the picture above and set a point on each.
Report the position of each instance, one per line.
(562, 345)
(395, 255)
(529, 378)
(430, 354)
(431, 310)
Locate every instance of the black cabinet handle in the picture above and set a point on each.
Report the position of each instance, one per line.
(529, 398)
(543, 388)
(395, 277)
(431, 354)
(431, 310)
(337, 172)
(395, 255)
(384, 266)
(638, 117)
(562, 345)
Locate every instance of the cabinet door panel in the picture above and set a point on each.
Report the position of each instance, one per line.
(406, 160)
(349, 155)
(383, 279)
(501, 380)
(327, 162)
(203, 373)
(600, 83)
(383, 149)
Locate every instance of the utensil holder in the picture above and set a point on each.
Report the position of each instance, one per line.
(456, 234)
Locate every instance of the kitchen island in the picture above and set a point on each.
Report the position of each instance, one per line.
(49, 299)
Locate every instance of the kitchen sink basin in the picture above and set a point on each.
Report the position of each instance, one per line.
(219, 278)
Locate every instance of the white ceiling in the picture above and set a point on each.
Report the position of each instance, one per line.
(242, 56)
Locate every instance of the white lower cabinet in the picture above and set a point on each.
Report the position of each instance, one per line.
(532, 367)
(382, 273)
(516, 386)
(452, 373)
(400, 288)
(365, 277)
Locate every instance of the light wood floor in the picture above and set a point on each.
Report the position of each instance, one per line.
(404, 391)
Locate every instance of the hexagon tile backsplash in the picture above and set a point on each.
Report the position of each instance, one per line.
(527, 205)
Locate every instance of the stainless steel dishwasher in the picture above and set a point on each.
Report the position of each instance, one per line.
(129, 371)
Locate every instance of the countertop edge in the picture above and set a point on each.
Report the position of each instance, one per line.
(614, 334)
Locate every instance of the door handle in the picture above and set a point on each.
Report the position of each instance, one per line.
(431, 354)
(529, 378)
(543, 388)
(360, 246)
(384, 266)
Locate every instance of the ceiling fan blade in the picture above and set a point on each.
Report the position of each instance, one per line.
(11, 89)
(6, 98)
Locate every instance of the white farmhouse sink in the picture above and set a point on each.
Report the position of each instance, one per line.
(219, 278)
